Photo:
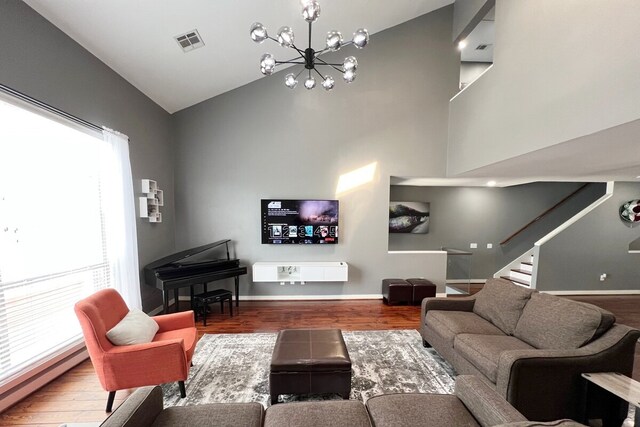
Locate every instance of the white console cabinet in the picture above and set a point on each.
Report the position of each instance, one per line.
(302, 272)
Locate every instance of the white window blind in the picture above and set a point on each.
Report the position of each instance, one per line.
(53, 247)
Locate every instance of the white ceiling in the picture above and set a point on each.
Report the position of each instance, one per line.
(135, 37)
(483, 33)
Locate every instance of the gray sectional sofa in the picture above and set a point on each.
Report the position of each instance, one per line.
(474, 404)
(531, 346)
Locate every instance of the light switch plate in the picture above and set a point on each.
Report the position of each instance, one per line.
(489, 245)
(473, 245)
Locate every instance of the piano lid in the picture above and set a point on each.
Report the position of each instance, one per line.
(185, 254)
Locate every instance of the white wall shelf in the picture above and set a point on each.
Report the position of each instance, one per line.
(302, 272)
(151, 201)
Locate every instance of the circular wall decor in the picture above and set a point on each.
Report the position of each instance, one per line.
(630, 211)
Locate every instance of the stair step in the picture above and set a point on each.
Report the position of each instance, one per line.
(517, 281)
(517, 270)
(526, 267)
(527, 263)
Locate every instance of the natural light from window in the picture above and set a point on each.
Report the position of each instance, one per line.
(52, 245)
(356, 178)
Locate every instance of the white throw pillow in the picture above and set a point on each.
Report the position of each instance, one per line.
(135, 328)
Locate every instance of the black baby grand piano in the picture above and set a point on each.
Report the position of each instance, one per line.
(194, 266)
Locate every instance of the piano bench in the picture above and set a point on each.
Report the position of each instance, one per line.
(202, 301)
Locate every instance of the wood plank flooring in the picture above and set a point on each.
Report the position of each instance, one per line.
(77, 396)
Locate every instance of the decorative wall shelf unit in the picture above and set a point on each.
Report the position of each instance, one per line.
(151, 202)
(302, 272)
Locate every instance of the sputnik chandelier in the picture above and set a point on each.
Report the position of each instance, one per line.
(309, 57)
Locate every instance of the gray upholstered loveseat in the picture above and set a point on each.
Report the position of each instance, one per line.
(533, 347)
(474, 404)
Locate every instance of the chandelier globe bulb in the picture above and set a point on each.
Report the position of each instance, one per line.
(285, 37)
(258, 32)
(361, 38)
(334, 40)
(328, 83)
(311, 11)
(267, 64)
(290, 81)
(310, 83)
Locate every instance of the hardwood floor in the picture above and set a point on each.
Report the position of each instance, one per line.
(77, 395)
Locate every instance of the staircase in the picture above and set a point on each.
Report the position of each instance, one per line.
(522, 275)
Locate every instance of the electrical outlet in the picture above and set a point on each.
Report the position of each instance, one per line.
(489, 245)
(603, 276)
(473, 245)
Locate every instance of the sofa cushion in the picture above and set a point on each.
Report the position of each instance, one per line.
(550, 322)
(212, 414)
(396, 410)
(448, 324)
(330, 413)
(483, 351)
(501, 303)
(557, 423)
(607, 321)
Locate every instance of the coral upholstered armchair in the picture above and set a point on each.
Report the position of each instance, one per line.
(166, 359)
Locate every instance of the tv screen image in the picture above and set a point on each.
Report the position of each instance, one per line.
(287, 221)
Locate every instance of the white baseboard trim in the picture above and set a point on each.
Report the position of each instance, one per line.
(591, 292)
(307, 297)
(465, 281)
(293, 298)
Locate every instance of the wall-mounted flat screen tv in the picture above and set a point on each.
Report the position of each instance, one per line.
(299, 221)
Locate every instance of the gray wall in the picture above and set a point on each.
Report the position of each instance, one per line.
(470, 71)
(545, 88)
(598, 243)
(463, 215)
(467, 14)
(40, 60)
(263, 140)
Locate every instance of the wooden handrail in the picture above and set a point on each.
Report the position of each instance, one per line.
(543, 214)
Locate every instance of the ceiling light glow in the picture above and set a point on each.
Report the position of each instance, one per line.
(491, 183)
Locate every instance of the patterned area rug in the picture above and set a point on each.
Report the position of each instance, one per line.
(235, 368)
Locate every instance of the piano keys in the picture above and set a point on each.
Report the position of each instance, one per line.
(193, 267)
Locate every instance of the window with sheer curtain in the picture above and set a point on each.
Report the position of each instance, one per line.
(57, 197)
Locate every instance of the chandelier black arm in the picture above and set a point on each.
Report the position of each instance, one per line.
(300, 52)
(330, 65)
(321, 76)
(289, 62)
(326, 49)
(293, 46)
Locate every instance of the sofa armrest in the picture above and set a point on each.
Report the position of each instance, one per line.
(484, 402)
(173, 321)
(446, 304)
(139, 410)
(530, 379)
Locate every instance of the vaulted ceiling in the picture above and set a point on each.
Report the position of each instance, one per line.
(136, 38)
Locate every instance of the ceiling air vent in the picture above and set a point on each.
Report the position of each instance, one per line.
(482, 46)
(190, 40)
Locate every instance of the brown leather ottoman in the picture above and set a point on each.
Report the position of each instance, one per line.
(396, 291)
(310, 361)
(422, 288)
